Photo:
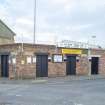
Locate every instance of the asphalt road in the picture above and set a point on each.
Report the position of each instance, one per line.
(84, 92)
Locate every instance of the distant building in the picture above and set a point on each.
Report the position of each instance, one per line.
(6, 34)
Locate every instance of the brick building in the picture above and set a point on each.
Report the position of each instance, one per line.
(31, 61)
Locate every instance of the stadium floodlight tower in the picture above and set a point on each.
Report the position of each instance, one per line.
(34, 33)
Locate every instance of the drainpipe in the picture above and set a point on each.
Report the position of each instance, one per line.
(89, 62)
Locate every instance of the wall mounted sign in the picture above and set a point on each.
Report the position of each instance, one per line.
(29, 60)
(57, 58)
(14, 60)
(34, 59)
(71, 51)
(85, 51)
(22, 62)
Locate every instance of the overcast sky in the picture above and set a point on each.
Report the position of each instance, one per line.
(76, 20)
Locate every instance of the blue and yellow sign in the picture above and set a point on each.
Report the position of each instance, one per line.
(71, 51)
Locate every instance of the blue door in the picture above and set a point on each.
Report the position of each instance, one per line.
(71, 65)
(42, 66)
(94, 65)
(4, 65)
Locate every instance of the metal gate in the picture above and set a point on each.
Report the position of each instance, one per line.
(4, 65)
(42, 65)
(71, 65)
(94, 65)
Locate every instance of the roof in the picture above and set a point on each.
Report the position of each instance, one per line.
(5, 31)
(27, 44)
(44, 45)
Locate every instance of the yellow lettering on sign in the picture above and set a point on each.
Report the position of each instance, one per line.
(71, 51)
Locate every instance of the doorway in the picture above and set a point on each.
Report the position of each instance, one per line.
(42, 65)
(71, 65)
(4, 65)
(94, 65)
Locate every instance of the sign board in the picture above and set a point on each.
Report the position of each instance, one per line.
(29, 60)
(58, 58)
(34, 59)
(22, 62)
(14, 60)
(71, 51)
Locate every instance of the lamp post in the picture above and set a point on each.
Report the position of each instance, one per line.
(34, 41)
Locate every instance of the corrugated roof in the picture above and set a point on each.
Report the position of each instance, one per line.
(5, 31)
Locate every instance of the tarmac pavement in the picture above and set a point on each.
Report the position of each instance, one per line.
(53, 92)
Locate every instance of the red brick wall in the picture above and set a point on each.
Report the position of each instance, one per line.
(101, 60)
(82, 66)
(54, 69)
(102, 65)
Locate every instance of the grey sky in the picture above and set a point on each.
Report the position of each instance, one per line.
(56, 19)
